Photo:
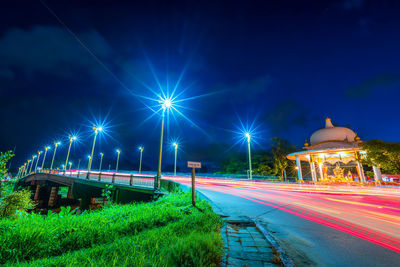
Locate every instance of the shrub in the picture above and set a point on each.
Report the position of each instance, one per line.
(15, 201)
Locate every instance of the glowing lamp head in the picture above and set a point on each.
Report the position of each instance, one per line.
(140, 148)
(101, 154)
(73, 138)
(175, 145)
(118, 151)
(89, 156)
(248, 136)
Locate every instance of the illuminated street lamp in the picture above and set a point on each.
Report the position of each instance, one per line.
(30, 167)
(176, 154)
(39, 152)
(166, 104)
(54, 153)
(33, 160)
(70, 165)
(96, 131)
(25, 168)
(71, 139)
(248, 137)
(45, 152)
(118, 152)
(140, 161)
(101, 160)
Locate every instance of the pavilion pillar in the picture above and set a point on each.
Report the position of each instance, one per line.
(377, 174)
(313, 172)
(360, 171)
(321, 172)
(299, 174)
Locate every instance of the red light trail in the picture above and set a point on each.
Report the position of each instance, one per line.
(370, 213)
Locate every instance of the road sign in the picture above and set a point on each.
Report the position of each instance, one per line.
(193, 164)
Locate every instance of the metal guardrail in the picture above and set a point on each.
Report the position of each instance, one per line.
(130, 179)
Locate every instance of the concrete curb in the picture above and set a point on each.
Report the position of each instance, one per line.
(287, 262)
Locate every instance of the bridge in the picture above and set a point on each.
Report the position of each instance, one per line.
(86, 187)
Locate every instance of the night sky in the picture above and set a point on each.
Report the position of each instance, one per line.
(283, 66)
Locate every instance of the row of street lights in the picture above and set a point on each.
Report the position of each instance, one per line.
(166, 104)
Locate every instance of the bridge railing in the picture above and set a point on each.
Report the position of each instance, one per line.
(131, 179)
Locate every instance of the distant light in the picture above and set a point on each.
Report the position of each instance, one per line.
(89, 156)
(247, 135)
(74, 138)
(118, 151)
(101, 154)
(167, 103)
(100, 129)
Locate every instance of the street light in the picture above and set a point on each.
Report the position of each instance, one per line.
(45, 152)
(140, 161)
(71, 139)
(70, 165)
(39, 152)
(101, 160)
(54, 153)
(176, 154)
(119, 152)
(89, 159)
(30, 167)
(25, 168)
(33, 160)
(96, 131)
(248, 137)
(166, 103)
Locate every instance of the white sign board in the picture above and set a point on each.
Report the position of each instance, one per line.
(193, 164)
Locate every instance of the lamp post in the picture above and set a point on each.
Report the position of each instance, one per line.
(54, 153)
(44, 156)
(33, 160)
(89, 159)
(101, 160)
(140, 161)
(70, 165)
(27, 165)
(176, 154)
(30, 167)
(37, 161)
(248, 137)
(118, 152)
(96, 131)
(166, 104)
(71, 139)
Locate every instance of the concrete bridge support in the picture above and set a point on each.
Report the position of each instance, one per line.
(37, 192)
(53, 196)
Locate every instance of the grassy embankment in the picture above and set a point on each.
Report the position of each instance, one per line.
(167, 232)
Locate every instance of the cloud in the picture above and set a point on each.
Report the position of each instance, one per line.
(51, 50)
(353, 4)
(285, 115)
(368, 86)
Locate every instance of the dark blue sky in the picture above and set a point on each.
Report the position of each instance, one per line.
(284, 64)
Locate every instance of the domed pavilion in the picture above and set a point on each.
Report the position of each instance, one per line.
(334, 155)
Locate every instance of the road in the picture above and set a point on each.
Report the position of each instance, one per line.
(316, 225)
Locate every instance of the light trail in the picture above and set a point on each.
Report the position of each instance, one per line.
(370, 213)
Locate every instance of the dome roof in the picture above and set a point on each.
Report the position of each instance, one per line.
(332, 133)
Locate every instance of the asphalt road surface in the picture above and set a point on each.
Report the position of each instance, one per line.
(316, 225)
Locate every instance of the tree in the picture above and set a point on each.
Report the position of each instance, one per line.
(262, 163)
(235, 164)
(385, 155)
(4, 158)
(280, 149)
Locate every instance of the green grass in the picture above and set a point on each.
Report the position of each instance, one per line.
(167, 232)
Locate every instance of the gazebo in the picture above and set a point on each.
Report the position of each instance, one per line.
(334, 155)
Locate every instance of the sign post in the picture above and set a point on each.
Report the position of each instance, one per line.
(194, 165)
